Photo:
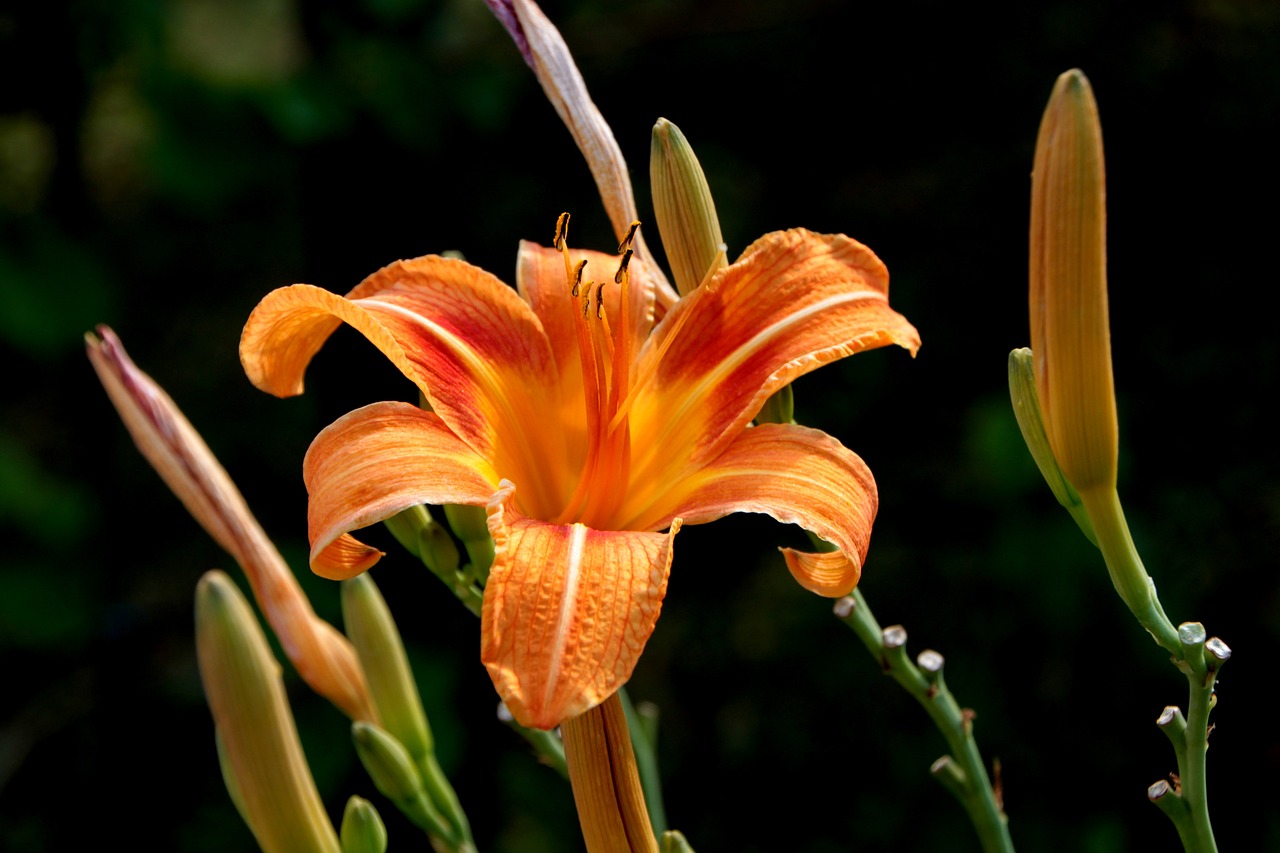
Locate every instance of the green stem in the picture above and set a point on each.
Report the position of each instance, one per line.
(969, 780)
(1193, 778)
(1128, 575)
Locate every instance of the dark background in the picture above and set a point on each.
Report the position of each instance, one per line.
(163, 165)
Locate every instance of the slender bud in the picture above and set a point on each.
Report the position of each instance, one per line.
(272, 784)
(1068, 298)
(322, 656)
(1026, 409)
(381, 651)
(362, 828)
(684, 209)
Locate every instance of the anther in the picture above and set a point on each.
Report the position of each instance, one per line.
(577, 275)
(631, 235)
(562, 231)
(622, 267)
(600, 302)
(586, 299)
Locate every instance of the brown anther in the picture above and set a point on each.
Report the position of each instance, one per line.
(625, 245)
(577, 275)
(600, 302)
(562, 231)
(622, 267)
(586, 299)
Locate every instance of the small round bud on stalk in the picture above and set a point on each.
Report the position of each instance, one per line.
(1158, 790)
(683, 206)
(261, 755)
(362, 828)
(843, 608)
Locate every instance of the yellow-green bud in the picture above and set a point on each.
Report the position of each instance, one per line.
(271, 783)
(389, 764)
(373, 632)
(686, 213)
(362, 828)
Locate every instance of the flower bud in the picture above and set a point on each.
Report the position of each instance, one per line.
(381, 651)
(1069, 329)
(684, 208)
(322, 656)
(262, 759)
(362, 828)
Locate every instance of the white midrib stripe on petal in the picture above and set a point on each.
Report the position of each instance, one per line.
(572, 578)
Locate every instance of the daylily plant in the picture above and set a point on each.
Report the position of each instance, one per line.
(586, 429)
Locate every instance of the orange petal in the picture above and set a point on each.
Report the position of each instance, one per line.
(795, 474)
(567, 610)
(794, 301)
(371, 464)
(468, 341)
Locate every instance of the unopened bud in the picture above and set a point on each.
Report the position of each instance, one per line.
(377, 642)
(389, 764)
(362, 828)
(1070, 335)
(686, 213)
(271, 783)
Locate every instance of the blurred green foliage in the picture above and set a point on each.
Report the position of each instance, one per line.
(165, 164)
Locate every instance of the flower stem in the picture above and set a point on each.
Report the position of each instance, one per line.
(1128, 575)
(606, 785)
(962, 772)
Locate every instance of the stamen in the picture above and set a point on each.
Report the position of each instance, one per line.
(631, 235)
(622, 267)
(577, 275)
(586, 299)
(600, 302)
(562, 231)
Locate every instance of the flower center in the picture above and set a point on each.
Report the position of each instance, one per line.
(605, 354)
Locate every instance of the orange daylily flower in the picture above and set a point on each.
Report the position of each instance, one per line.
(586, 429)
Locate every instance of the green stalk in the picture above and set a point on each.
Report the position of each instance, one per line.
(963, 772)
(1128, 575)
